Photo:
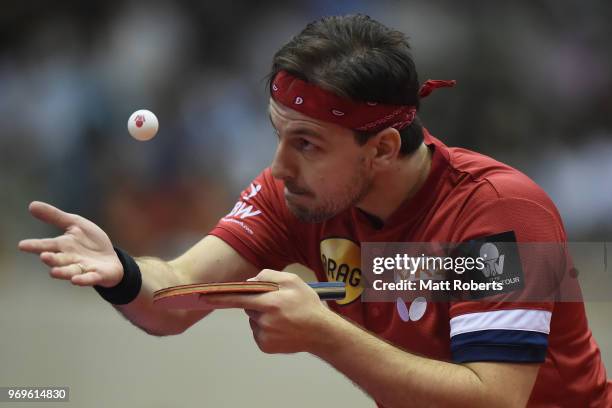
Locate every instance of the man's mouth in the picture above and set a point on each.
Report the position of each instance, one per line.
(294, 190)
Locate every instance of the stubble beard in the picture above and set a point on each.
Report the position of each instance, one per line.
(351, 195)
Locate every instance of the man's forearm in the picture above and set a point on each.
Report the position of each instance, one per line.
(394, 377)
(157, 274)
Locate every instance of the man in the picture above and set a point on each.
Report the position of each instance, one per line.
(353, 164)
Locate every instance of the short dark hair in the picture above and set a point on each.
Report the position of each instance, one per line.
(356, 57)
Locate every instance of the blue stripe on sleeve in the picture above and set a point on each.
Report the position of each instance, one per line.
(519, 346)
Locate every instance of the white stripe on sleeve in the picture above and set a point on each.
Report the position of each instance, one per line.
(514, 319)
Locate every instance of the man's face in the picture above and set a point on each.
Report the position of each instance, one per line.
(324, 170)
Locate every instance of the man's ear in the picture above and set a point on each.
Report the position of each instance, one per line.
(386, 146)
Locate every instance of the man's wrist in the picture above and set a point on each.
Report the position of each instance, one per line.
(326, 330)
(129, 287)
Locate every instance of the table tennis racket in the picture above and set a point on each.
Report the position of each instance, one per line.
(188, 296)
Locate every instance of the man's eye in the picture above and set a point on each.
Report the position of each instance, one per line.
(304, 144)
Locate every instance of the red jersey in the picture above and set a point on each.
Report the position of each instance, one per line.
(466, 196)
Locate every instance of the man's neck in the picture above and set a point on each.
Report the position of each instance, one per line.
(391, 189)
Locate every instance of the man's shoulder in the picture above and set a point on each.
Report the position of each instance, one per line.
(496, 196)
(492, 179)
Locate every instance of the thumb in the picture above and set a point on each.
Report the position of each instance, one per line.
(52, 215)
(269, 275)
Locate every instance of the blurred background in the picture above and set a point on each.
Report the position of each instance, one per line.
(534, 91)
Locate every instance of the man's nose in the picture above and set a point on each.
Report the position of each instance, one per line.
(282, 166)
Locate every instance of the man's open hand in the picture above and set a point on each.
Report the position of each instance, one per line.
(83, 255)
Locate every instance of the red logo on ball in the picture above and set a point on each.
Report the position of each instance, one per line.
(140, 120)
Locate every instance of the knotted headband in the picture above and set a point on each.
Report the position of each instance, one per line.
(320, 104)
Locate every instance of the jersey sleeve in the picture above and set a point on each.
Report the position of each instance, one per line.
(521, 242)
(258, 227)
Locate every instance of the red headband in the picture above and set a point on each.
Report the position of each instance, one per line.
(323, 105)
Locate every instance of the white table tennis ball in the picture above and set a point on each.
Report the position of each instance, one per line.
(143, 125)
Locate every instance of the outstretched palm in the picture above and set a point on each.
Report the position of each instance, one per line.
(84, 254)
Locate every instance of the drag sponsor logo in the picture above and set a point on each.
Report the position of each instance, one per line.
(341, 260)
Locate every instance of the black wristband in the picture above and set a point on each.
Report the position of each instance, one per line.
(129, 287)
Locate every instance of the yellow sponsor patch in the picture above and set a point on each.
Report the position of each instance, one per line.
(341, 260)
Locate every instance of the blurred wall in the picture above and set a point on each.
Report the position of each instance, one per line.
(534, 90)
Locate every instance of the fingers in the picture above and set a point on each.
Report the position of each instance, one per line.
(52, 215)
(253, 314)
(36, 246)
(58, 259)
(87, 279)
(66, 272)
(260, 303)
(268, 275)
(63, 243)
(254, 317)
(75, 274)
(254, 326)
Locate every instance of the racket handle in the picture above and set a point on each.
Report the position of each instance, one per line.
(329, 290)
